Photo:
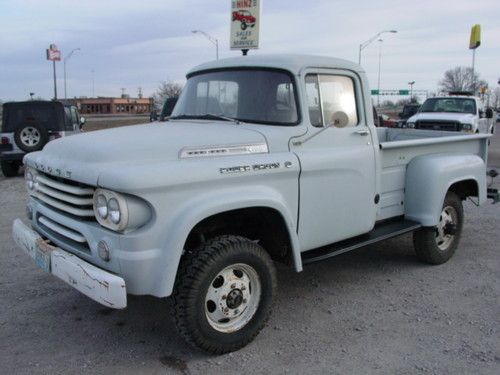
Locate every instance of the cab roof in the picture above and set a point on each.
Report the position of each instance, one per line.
(291, 62)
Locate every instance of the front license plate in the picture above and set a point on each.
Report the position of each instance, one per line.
(33, 245)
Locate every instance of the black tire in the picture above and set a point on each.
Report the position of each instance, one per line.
(243, 26)
(199, 270)
(43, 137)
(10, 168)
(433, 248)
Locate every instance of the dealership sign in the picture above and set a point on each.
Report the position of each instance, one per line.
(245, 23)
(53, 54)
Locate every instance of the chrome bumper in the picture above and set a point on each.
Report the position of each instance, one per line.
(102, 286)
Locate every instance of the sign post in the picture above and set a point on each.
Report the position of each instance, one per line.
(245, 25)
(474, 42)
(53, 54)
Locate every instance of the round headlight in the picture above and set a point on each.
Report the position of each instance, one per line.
(114, 211)
(411, 125)
(102, 206)
(30, 180)
(467, 126)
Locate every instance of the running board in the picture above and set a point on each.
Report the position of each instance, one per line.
(381, 232)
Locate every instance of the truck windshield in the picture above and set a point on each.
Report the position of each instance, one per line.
(248, 95)
(458, 105)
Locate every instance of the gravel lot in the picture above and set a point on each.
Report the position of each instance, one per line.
(377, 311)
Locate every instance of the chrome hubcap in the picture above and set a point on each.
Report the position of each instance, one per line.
(444, 235)
(30, 136)
(233, 298)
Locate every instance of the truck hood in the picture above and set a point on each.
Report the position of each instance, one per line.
(465, 118)
(83, 157)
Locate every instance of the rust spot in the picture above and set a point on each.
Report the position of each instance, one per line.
(44, 246)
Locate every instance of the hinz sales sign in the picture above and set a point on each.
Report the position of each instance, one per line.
(245, 22)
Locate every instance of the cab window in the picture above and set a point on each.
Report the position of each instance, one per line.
(327, 94)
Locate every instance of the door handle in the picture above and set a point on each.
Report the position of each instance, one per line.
(362, 132)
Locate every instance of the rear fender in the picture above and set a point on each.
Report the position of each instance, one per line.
(429, 177)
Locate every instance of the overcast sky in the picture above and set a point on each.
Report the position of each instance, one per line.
(134, 44)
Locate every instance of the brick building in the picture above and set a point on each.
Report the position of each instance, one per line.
(123, 105)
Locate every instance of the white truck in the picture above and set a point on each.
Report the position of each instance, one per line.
(456, 112)
(265, 159)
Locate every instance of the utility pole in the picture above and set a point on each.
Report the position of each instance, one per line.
(379, 63)
(411, 89)
(64, 64)
(93, 82)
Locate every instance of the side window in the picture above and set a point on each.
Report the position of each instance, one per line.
(337, 94)
(327, 94)
(68, 123)
(313, 102)
(74, 116)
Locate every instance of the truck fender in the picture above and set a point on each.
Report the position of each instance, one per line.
(211, 203)
(429, 177)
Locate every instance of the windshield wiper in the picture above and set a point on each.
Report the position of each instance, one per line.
(206, 116)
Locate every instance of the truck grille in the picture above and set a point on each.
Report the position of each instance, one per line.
(67, 238)
(453, 126)
(65, 195)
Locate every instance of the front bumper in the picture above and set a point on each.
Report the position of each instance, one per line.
(101, 286)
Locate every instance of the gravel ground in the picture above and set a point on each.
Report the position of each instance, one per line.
(377, 310)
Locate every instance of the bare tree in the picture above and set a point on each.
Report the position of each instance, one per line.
(461, 78)
(166, 90)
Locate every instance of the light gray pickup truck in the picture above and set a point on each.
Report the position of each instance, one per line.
(265, 159)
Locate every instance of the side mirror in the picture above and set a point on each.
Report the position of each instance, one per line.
(489, 113)
(82, 121)
(339, 119)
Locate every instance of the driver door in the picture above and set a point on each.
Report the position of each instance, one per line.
(337, 180)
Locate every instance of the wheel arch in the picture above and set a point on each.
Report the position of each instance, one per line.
(430, 177)
(215, 207)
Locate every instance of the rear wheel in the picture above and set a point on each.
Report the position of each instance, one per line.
(435, 245)
(224, 293)
(10, 168)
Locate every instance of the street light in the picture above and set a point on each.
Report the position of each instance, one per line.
(215, 41)
(363, 45)
(379, 61)
(65, 60)
(411, 89)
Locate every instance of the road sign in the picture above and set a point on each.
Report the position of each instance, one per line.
(475, 37)
(245, 23)
(53, 54)
(391, 92)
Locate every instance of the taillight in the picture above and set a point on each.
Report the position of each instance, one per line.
(5, 141)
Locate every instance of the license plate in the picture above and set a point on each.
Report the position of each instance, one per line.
(34, 245)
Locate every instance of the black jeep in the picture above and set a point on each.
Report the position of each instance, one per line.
(28, 126)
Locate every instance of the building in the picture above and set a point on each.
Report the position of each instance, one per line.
(123, 105)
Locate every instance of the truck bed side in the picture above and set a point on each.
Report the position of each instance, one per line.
(400, 147)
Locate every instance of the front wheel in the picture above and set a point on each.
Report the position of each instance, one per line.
(435, 245)
(224, 294)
